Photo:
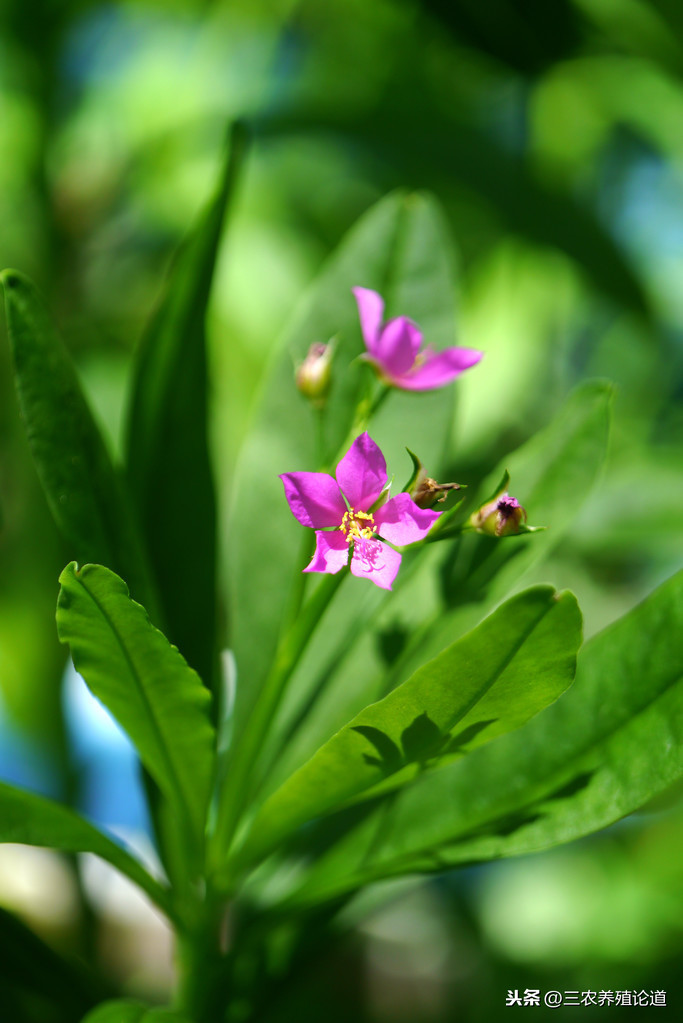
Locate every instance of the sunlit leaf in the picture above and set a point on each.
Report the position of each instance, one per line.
(491, 681)
(552, 475)
(604, 749)
(145, 683)
(401, 249)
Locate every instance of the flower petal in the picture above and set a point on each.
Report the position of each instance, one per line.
(313, 498)
(438, 369)
(397, 346)
(375, 561)
(370, 310)
(331, 553)
(362, 473)
(400, 521)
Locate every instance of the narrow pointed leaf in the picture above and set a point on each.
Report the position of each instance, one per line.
(146, 684)
(34, 820)
(604, 749)
(400, 248)
(552, 475)
(485, 684)
(169, 467)
(84, 492)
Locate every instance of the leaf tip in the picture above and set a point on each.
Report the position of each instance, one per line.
(69, 570)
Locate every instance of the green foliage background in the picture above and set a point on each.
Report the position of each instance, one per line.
(550, 134)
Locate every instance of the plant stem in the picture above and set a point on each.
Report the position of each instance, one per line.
(298, 587)
(202, 970)
(249, 744)
(361, 420)
(319, 415)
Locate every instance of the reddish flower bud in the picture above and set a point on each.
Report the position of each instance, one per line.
(502, 516)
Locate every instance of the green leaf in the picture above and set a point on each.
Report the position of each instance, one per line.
(169, 467)
(146, 684)
(400, 248)
(552, 475)
(34, 820)
(126, 1011)
(83, 489)
(609, 745)
(485, 684)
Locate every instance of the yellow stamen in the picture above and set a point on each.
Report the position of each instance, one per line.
(357, 525)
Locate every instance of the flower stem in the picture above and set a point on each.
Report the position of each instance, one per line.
(363, 622)
(250, 742)
(319, 415)
(361, 420)
(376, 403)
(299, 583)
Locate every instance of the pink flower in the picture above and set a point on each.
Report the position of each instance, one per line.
(339, 511)
(394, 349)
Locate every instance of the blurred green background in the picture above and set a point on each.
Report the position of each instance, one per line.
(552, 133)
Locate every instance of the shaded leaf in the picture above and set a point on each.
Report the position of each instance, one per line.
(462, 739)
(119, 1011)
(389, 755)
(34, 820)
(83, 490)
(62, 988)
(126, 1011)
(529, 36)
(400, 132)
(169, 467)
(421, 740)
(391, 641)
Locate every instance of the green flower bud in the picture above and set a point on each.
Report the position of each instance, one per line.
(314, 375)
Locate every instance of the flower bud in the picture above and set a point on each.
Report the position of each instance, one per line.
(427, 492)
(424, 490)
(502, 516)
(313, 375)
